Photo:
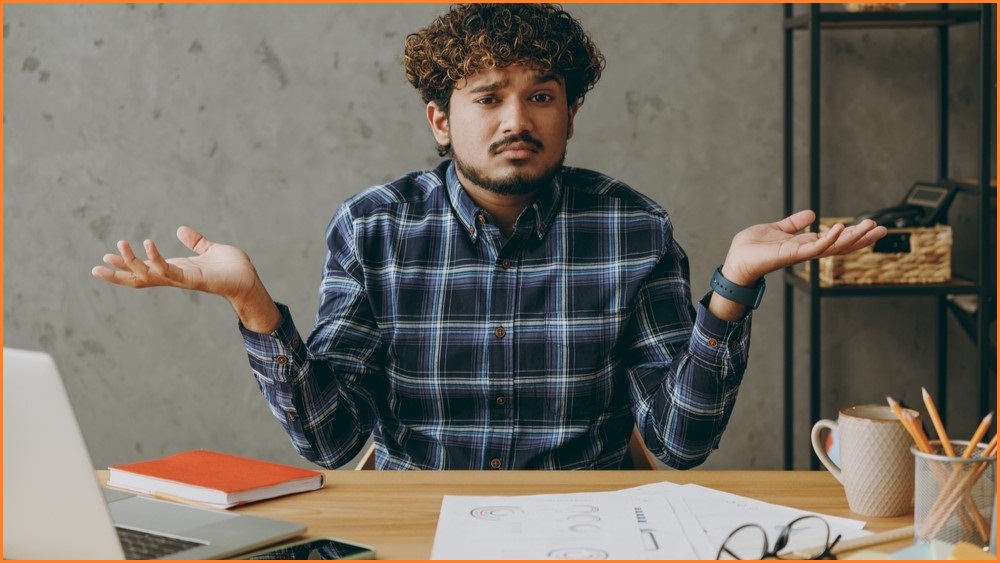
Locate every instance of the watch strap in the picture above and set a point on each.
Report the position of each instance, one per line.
(748, 296)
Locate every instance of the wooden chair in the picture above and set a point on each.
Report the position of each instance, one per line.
(367, 460)
(637, 453)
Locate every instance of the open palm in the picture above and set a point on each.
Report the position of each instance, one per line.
(761, 249)
(215, 268)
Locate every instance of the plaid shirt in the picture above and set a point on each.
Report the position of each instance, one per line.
(462, 349)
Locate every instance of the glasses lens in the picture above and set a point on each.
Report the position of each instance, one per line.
(808, 537)
(746, 542)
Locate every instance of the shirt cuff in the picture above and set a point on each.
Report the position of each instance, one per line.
(717, 340)
(275, 357)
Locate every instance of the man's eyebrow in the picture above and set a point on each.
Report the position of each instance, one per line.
(551, 77)
(490, 87)
(493, 86)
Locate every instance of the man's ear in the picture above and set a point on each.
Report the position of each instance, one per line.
(440, 127)
(573, 108)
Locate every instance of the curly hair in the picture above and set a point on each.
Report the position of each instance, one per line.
(470, 38)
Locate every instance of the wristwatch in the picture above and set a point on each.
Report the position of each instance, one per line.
(748, 296)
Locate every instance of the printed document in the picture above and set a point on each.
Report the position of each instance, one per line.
(657, 521)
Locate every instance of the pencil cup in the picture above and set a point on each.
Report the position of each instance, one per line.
(876, 467)
(954, 496)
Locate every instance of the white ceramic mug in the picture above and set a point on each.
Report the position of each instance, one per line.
(876, 467)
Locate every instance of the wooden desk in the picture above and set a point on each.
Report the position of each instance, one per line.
(397, 511)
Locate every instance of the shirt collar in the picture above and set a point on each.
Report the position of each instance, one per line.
(545, 207)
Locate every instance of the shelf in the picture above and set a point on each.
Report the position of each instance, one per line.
(897, 19)
(971, 185)
(954, 297)
(957, 286)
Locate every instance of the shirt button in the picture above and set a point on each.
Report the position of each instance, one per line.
(295, 342)
(282, 360)
(472, 229)
(500, 332)
(495, 463)
(481, 218)
(713, 342)
(290, 416)
(507, 263)
(501, 400)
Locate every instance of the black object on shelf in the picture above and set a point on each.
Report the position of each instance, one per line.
(981, 289)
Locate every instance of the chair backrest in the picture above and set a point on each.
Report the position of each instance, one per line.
(637, 453)
(367, 460)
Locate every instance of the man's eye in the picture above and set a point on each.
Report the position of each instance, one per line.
(542, 98)
(486, 100)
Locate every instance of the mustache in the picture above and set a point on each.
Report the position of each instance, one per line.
(519, 138)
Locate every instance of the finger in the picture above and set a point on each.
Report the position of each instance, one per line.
(842, 239)
(132, 262)
(856, 237)
(194, 240)
(156, 263)
(814, 245)
(869, 238)
(102, 272)
(115, 260)
(117, 277)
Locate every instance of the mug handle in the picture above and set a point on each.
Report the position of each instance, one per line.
(820, 449)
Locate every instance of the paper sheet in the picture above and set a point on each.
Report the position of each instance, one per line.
(657, 521)
(590, 526)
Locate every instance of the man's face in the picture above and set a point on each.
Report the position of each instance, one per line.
(507, 128)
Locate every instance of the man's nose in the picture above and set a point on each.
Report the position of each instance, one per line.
(517, 117)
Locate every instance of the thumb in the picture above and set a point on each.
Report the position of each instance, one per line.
(194, 240)
(796, 221)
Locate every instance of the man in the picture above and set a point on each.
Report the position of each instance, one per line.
(502, 310)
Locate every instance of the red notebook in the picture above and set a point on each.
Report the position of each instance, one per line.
(213, 478)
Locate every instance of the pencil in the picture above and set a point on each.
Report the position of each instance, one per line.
(938, 425)
(949, 497)
(984, 425)
(991, 447)
(910, 424)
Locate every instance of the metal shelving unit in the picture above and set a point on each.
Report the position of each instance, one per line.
(815, 22)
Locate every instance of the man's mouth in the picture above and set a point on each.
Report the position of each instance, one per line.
(517, 147)
(518, 150)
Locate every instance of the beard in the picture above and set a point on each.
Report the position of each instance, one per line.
(515, 183)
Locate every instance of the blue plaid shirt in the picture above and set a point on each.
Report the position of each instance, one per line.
(463, 349)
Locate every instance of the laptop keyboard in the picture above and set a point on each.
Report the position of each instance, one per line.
(143, 545)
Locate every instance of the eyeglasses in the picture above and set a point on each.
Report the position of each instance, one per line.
(806, 537)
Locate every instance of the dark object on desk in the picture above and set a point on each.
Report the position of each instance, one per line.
(925, 205)
(315, 548)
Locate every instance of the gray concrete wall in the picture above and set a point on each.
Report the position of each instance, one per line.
(253, 122)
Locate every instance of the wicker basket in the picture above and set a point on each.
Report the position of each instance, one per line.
(904, 256)
(872, 7)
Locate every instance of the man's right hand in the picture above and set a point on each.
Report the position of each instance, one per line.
(216, 268)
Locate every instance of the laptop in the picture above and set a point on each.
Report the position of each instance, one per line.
(54, 507)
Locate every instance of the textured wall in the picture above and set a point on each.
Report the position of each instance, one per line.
(253, 122)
